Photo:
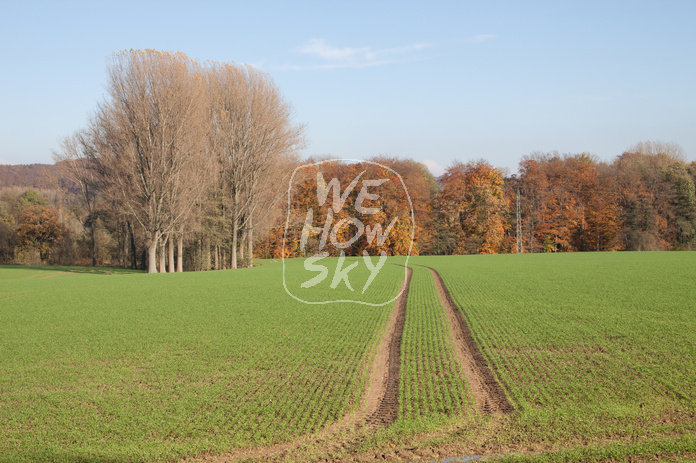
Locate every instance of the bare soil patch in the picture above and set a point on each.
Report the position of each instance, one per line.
(489, 396)
(382, 397)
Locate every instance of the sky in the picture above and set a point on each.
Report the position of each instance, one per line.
(432, 81)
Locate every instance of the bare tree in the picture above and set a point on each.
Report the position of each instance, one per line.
(669, 150)
(250, 131)
(168, 130)
(150, 151)
(74, 158)
(269, 193)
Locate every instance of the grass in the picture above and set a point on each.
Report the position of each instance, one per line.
(597, 353)
(679, 449)
(133, 367)
(432, 385)
(588, 346)
(31, 271)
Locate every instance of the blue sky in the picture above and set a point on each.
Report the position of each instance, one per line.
(432, 81)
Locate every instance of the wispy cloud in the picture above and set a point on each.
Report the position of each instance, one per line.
(481, 38)
(332, 57)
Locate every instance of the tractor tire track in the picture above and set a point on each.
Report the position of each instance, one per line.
(383, 393)
(489, 396)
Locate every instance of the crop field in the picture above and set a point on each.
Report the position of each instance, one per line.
(129, 367)
(589, 347)
(433, 384)
(568, 357)
(571, 334)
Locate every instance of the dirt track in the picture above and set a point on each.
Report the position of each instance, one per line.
(382, 396)
(489, 397)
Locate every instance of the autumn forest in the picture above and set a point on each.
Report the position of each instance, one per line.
(186, 166)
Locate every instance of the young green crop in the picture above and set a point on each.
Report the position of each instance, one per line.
(135, 366)
(121, 366)
(592, 345)
(432, 383)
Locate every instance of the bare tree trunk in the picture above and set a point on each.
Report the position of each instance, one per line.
(123, 245)
(162, 265)
(93, 243)
(134, 257)
(119, 243)
(200, 255)
(170, 240)
(152, 254)
(217, 257)
(126, 245)
(241, 245)
(223, 258)
(180, 252)
(235, 229)
(206, 253)
(250, 242)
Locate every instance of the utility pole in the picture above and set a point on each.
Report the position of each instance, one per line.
(519, 224)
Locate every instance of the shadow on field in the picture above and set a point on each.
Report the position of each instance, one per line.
(70, 269)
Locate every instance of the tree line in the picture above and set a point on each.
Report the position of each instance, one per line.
(644, 200)
(185, 165)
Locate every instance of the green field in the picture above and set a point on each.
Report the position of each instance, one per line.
(596, 352)
(138, 367)
(591, 348)
(432, 384)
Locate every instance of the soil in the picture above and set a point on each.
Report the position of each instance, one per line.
(489, 396)
(382, 397)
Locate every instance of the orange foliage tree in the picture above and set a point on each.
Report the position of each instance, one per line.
(475, 206)
(567, 205)
(405, 189)
(656, 194)
(38, 228)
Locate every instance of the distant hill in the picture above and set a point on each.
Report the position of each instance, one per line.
(37, 176)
